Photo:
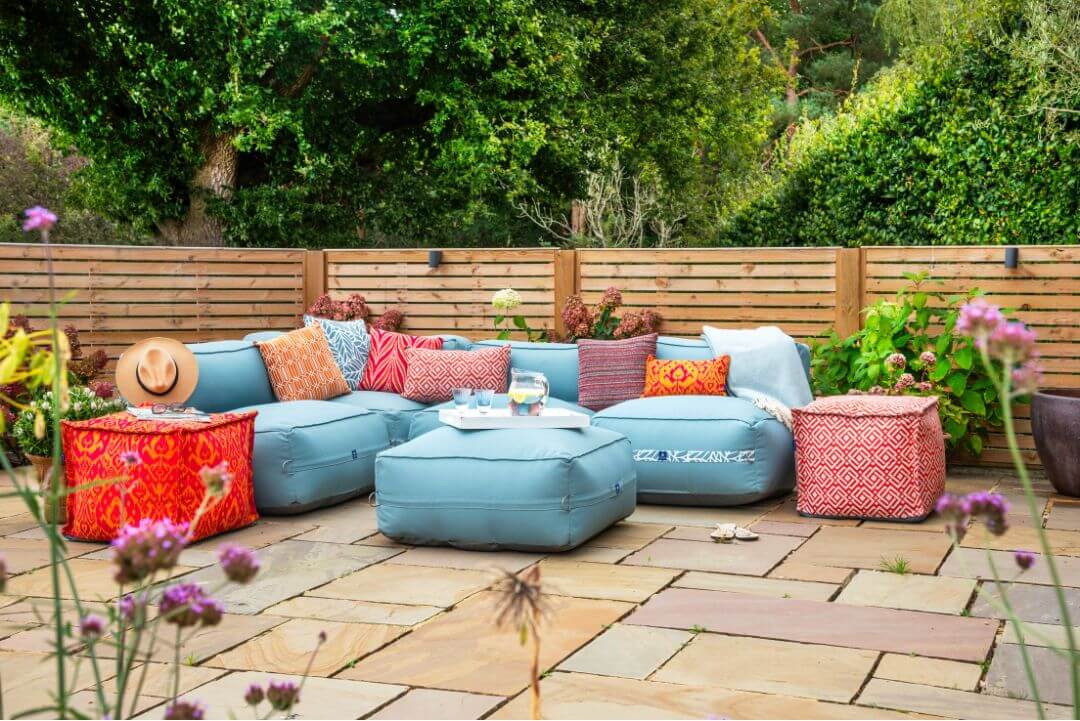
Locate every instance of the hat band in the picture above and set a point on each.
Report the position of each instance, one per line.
(176, 379)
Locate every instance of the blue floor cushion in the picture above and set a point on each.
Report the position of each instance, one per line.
(310, 454)
(427, 420)
(542, 490)
(703, 450)
(397, 412)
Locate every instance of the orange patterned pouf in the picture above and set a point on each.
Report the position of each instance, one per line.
(873, 457)
(165, 482)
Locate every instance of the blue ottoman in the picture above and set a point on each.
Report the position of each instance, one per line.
(542, 490)
(704, 450)
(310, 454)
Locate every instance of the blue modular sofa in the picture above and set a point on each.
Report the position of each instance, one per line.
(691, 450)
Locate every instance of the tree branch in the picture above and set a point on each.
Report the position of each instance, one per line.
(822, 47)
(308, 72)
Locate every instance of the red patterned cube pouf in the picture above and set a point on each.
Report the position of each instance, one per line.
(165, 483)
(874, 457)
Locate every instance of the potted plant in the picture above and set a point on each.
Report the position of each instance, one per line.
(33, 428)
(1055, 423)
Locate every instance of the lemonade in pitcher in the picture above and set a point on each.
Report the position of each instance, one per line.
(528, 392)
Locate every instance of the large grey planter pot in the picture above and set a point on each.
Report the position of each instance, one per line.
(1055, 423)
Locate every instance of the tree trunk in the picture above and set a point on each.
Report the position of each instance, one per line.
(215, 178)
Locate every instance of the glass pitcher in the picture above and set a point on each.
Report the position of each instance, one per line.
(528, 392)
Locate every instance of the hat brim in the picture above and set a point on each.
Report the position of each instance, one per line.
(187, 370)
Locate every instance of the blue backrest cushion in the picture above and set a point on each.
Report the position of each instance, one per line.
(670, 348)
(557, 361)
(231, 375)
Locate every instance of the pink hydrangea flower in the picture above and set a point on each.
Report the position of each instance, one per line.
(928, 358)
(905, 381)
(897, 361)
(924, 386)
(38, 218)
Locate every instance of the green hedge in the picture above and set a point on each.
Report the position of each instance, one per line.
(950, 153)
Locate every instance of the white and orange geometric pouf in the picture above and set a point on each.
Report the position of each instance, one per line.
(869, 457)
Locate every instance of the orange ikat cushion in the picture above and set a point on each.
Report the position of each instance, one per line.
(301, 366)
(686, 377)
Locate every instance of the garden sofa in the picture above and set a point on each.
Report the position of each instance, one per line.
(690, 450)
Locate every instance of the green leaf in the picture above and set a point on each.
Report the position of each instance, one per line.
(940, 371)
(973, 402)
(499, 319)
(503, 335)
(873, 372)
(519, 321)
(958, 383)
(975, 443)
(964, 357)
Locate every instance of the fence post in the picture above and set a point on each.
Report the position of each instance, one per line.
(314, 276)
(565, 284)
(850, 284)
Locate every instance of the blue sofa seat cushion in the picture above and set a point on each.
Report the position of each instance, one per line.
(396, 411)
(427, 420)
(543, 490)
(313, 453)
(703, 450)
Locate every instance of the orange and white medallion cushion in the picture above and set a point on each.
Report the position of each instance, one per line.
(301, 366)
(433, 374)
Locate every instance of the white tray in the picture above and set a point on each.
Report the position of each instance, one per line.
(473, 420)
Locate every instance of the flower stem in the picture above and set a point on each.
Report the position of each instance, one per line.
(1024, 655)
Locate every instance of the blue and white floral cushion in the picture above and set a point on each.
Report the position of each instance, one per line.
(350, 344)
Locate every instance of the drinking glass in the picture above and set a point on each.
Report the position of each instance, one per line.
(461, 398)
(483, 400)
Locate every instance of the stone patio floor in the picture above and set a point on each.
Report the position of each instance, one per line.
(648, 620)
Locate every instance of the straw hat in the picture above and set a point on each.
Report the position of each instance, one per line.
(157, 370)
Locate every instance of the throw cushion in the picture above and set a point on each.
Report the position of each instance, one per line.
(387, 365)
(612, 371)
(433, 374)
(686, 377)
(301, 366)
(350, 344)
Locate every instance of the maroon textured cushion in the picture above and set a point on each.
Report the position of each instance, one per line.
(612, 371)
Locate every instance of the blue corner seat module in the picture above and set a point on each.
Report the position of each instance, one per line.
(548, 490)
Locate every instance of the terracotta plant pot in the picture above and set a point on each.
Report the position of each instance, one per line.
(1055, 423)
(43, 464)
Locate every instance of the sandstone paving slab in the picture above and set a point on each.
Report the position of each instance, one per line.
(601, 580)
(697, 516)
(1041, 634)
(913, 592)
(783, 528)
(157, 687)
(12, 506)
(584, 696)
(972, 563)
(263, 532)
(929, 671)
(427, 703)
(882, 629)
(867, 548)
(288, 569)
(410, 585)
(463, 650)
(322, 698)
(198, 646)
(492, 561)
(21, 614)
(915, 698)
(94, 580)
(628, 535)
(15, 526)
(378, 539)
(798, 571)
(1064, 516)
(755, 558)
(26, 554)
(773, 587)
(288, 648)
(627, 651)
(961, 485)
(1006, 676)
(828, 673)
(1020, 515)
(30, 680)
(932, 524)
(786, 512)
(593, 554)
(344, 523)
(1032, 603)
(1023, 538)
(340, 609)
(697, 533)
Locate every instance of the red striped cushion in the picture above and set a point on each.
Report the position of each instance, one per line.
(387, 365)
(612, 371)
(434, 374)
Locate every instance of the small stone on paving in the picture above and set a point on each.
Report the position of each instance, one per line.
(773, 587)
(389, 583)
(340, 609)
(426, 703)
(602, 580)
(767, 666)
(753, 558)
(627, 651)
(913, 592)
(929, 671)
(870, 548)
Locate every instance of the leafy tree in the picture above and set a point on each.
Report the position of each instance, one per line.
(310, 122)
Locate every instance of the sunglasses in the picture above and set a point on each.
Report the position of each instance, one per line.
(168, 408)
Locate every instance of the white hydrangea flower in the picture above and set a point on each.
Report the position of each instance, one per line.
(506, 300)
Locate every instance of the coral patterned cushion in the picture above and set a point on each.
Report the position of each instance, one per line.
(166, 483)
(433, 374)
(686, 377)
(387, 364)
(301, 366)
(612, 371)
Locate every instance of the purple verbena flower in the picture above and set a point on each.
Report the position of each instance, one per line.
(322, 637)
(187, 604)
(217, 479)
(1012, 342)
(956, 511)
(978, 319)
(991, 508)
(38, 218)
(254, 695)
(1024, 559)
(282, 695)
(129, 605)
(897, 361)
(181, 709)
(130, 459)
(239, 563)
(91, 627)
(140, 550)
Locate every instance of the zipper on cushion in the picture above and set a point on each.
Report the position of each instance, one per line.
(545, 505)
(354, 455)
